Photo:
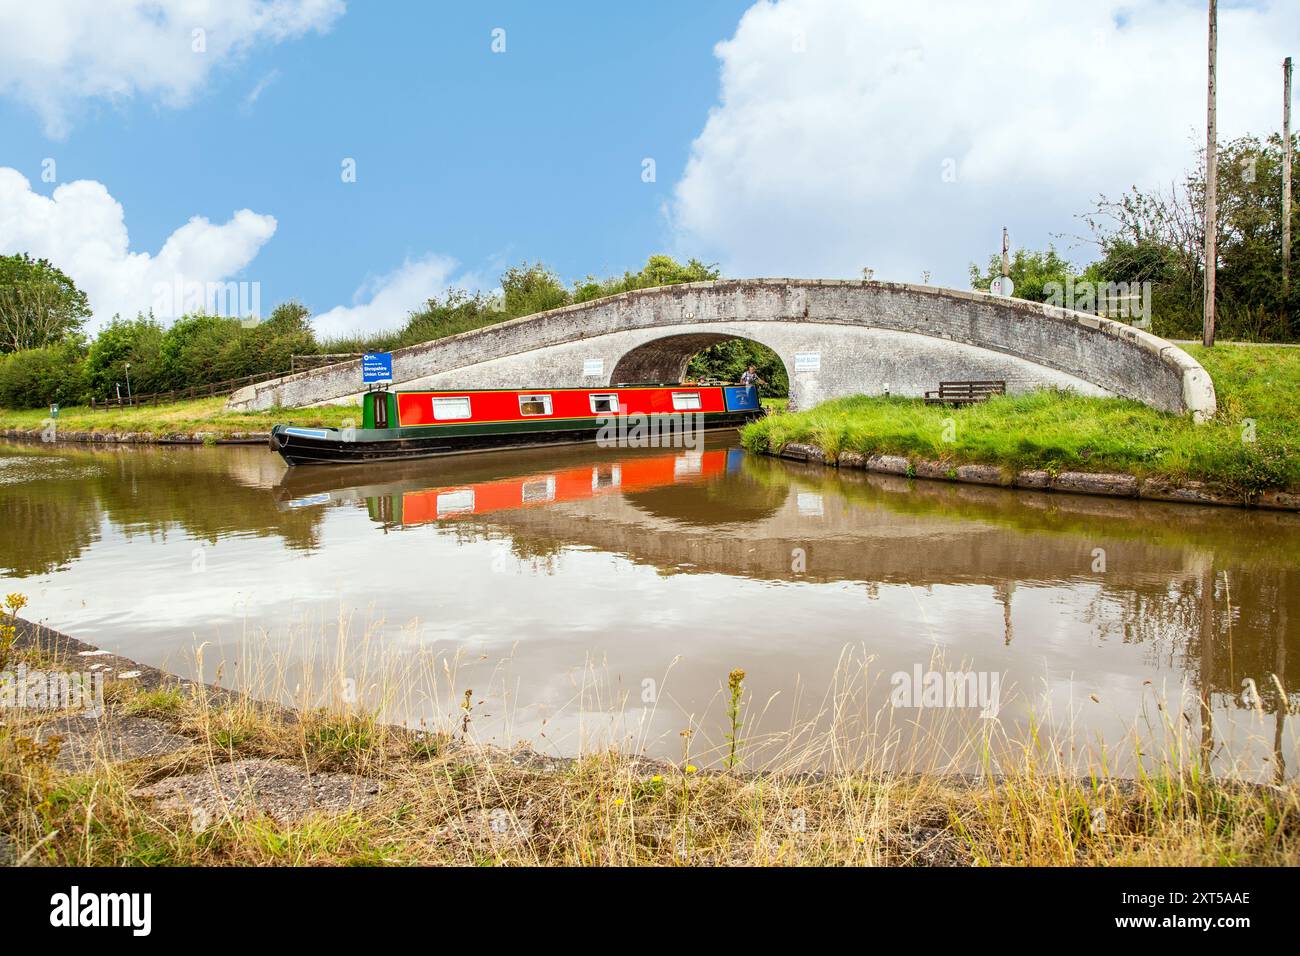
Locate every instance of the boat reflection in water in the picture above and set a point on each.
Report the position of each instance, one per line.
(543, 488)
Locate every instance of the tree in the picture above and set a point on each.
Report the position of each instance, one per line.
(286, 333)
(138, 341)
(288, 318)
(1030, 271)
(39, 304)
(1158, 235)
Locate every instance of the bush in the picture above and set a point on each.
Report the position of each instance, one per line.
(658, 270)
(205, 349)
(37, 378)
(138, 342)
(456, 311)
(529, 289)
(198, 350)
(273, 343)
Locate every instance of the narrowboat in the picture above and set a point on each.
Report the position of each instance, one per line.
(397, 425)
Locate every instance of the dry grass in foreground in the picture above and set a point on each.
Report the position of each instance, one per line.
(336, 786)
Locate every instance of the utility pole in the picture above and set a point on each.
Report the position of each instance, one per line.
(1211, 186)
(1006, 253)
(1286, 177)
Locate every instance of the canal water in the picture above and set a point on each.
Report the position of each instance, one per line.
(588, 596)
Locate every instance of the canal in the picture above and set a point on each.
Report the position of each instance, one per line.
(589, 596)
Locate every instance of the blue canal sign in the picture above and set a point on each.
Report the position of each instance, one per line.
(376, 367)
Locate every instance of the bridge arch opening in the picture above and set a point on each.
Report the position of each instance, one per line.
(710, 356)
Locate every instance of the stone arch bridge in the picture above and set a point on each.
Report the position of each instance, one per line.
(835, 337)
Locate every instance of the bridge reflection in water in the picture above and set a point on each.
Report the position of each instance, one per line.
(567, 581)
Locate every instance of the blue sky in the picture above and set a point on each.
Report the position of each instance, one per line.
(488, 157)
(790, 137)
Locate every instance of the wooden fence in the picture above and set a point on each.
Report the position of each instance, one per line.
(182, 394)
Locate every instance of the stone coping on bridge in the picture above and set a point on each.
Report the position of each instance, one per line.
(1119, 358)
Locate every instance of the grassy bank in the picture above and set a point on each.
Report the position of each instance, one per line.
(442, 797)
(1257, 390)
(199, 415)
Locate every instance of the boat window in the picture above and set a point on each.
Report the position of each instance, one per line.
(685, 401)
(449, 408)
(604, 404)
(606, 476)
(380, 409)
(686, 466)
(534, 405)
(539, 489)
(456, 502)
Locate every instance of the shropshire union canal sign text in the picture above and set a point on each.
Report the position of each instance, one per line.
(376, 367)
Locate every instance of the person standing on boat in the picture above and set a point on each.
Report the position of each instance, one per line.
(750, 377)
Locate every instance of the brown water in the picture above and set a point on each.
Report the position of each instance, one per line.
(588, 595)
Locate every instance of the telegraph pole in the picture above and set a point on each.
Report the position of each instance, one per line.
(1211, 185)
(1003, 286)
(1286, 177)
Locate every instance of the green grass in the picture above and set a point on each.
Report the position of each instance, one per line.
(1059, 431)
(198, 415)
(163, 700)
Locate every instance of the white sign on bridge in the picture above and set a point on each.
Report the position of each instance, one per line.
(593, 368)
(807, 361)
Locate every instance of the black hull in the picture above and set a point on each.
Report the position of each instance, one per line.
(297, 449)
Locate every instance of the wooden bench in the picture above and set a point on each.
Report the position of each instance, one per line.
(964, 393)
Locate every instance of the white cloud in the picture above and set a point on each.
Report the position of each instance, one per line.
(821, 162)
(81, 228)
(53, 54)
(383, 303)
